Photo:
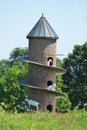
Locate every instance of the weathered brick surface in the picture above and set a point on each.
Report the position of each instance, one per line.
(43, 97)
(39, 76)
(40, 49)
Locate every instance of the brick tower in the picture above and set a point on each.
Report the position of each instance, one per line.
(42, 65)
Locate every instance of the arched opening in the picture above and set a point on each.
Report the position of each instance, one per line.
(49, 83)
(50, 108)
(50, 61)
(51, 86)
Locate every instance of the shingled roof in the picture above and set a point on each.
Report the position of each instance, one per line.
(42, 29)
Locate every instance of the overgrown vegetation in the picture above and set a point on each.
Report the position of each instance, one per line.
(76, 120)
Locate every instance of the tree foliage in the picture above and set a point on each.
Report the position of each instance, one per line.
(75, 78)
(63, 104)
(59, 80)
(11, 72)
(18, 53)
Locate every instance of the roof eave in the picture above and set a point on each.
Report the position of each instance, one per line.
(28, 37)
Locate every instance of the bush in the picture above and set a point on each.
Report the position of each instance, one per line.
(63, 105)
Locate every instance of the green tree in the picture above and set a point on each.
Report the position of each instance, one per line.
(59, 80)
(4, 65)
(11, 72)
(75, 78)
(11, 92)
(63, 104)
(17, 55)
(59, 63)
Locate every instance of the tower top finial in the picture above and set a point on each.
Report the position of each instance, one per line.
(42, 15)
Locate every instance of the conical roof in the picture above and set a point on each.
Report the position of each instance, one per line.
(42, 29)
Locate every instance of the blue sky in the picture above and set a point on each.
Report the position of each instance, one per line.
(67, 17)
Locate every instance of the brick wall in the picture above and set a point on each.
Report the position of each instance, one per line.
(45, 98)
(40, 49)
(39, 76)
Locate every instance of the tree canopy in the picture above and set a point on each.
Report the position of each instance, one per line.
(75, 78)
(11, 72)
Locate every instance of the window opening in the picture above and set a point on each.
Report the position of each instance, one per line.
(50, 61)
(50, 85)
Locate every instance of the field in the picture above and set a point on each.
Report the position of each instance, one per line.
(76, 120)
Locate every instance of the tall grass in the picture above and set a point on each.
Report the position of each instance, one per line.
(76, 120)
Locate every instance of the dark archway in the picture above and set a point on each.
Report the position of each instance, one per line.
(49, 83)
(50, 61)
(50, 108)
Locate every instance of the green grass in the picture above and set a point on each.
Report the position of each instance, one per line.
(76, 120)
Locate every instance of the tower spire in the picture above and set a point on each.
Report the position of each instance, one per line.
(42, 29)
(42, 14)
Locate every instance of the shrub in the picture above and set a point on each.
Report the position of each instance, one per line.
(63, 105)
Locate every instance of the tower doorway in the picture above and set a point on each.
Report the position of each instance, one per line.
(50, 108)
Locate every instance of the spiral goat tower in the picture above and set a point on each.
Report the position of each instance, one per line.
(42, 66)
